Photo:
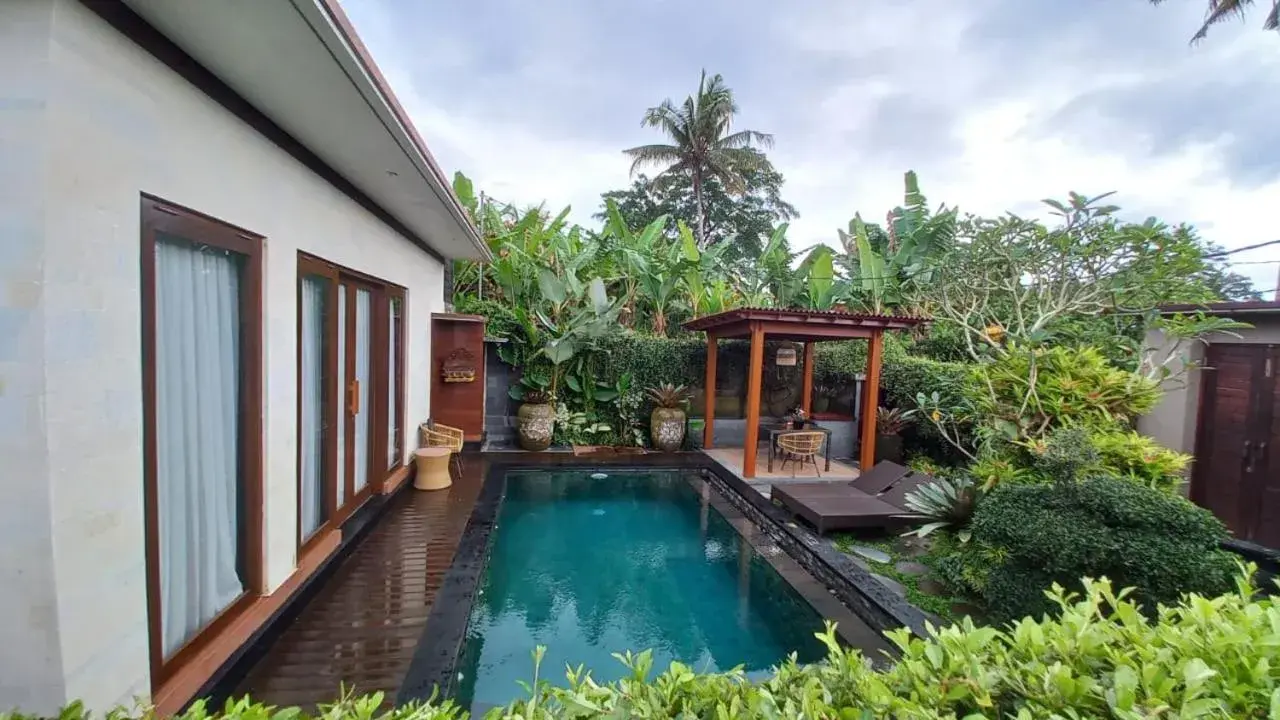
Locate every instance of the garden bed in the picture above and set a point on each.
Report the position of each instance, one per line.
(905, 566)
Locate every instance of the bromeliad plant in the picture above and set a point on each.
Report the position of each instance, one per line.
(892, 421)
(944, 503)
(669, 396)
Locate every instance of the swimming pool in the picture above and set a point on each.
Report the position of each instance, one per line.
(638, 560)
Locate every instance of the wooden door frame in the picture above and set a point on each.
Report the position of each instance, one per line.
(1259, 401)
(159, 215)
(1261, 405)
(373, 399)
(309, 266)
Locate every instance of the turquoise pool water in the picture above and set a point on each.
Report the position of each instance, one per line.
(632, 562)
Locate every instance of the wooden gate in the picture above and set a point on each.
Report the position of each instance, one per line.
(1237, 467)
(457, 372)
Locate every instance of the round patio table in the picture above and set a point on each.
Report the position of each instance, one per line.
(433, 469)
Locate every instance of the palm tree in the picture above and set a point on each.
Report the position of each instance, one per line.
(702, 146)
(1220, 10)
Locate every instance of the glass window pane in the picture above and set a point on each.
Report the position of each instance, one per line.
(363, 377)
(313, 400)
(393, 358)
(199, 481)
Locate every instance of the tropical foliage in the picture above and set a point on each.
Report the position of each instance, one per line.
(702, 146)
(744, 221)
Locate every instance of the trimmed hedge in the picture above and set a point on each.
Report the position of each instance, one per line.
(653, 361)
(1028, 537)
(1101, 658)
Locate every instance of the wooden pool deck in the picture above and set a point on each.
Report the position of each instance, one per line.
(361, 628)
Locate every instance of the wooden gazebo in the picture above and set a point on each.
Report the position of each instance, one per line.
(804, 326)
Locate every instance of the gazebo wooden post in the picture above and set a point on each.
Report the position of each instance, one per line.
(806, 393)
(708, 429)
(755, 369)
(870, 401)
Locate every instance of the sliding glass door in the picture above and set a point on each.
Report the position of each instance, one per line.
(317, 319)
(359, 384)
(202, 430)
(349, 405)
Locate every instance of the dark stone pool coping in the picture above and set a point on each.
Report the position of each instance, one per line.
(433, 669)
(876, 604)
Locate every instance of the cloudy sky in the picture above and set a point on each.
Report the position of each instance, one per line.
(995, 103)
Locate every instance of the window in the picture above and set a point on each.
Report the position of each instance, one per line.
(350, 390)
(316, 322)
(395, 374)
(202, 399)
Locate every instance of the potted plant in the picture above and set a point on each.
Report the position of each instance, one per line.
(536, 416)
(666, 423)
(890, 423)
(795, 418)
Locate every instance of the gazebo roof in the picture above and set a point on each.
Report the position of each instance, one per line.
(793, 324)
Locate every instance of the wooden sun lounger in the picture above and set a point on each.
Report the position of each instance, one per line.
(873, 500)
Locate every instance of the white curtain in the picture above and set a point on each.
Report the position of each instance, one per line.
(197, 302)
(343, 382)
(362, 376)
(311, 435)
(392, 419)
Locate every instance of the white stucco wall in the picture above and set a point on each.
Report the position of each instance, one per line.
(116, 123)
(30, 661)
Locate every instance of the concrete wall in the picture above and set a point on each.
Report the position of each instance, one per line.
(1173, 422)
(89, 121)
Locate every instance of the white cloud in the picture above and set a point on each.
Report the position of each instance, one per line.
(995, 103)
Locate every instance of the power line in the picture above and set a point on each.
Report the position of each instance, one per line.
(1255, 262)
(1233, 251)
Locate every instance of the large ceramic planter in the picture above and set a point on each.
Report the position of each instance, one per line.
(889, 447)
(534, 425)
(666, 428)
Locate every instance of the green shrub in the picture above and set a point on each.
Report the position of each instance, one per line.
(1025, 538)
(1071, 453)
(902, 377)
(654, 361)
(1100, 658)
(942, 340)
(1139, 458)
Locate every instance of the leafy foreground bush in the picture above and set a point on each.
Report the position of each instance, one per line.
(1101, 658)
(1026, 538)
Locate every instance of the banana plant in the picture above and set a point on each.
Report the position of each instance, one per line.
(886, 271)
(775, 275)
(574, 325)
(636, 254)
(878, 288)
(916, 236)
(702, 269)
(817, 274)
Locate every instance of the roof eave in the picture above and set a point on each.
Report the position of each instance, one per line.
(350, 41)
